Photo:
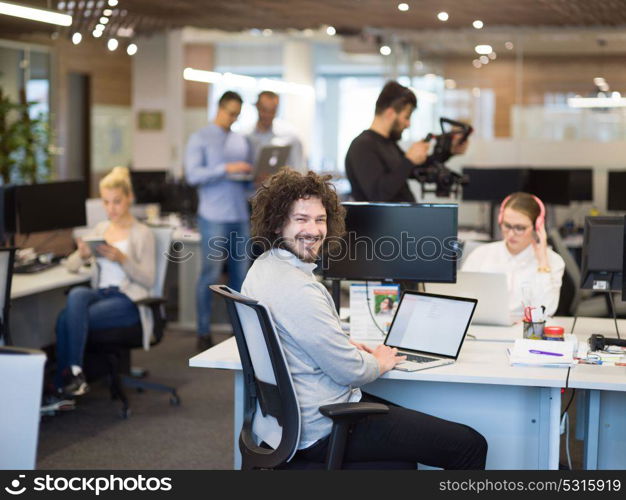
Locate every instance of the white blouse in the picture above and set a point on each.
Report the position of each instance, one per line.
(542, 289)
(112, 273)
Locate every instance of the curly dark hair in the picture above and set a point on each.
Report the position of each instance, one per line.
(273, 200)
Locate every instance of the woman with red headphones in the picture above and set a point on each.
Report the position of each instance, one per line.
(534, 271)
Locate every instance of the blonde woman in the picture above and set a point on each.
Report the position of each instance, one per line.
(123, 271)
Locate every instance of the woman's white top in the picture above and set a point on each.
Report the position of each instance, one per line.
(524, 281)
(111, 273)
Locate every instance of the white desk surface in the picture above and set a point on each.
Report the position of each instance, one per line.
(23, 285)
(478, 363)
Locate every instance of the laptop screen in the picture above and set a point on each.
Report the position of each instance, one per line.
(432, 324)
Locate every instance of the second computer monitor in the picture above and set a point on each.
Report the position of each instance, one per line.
(603, 254)
(404, 241)
(493, 184)
(617, 190)
(148, 185)
(33, 208)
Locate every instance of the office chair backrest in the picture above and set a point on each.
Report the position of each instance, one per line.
(271, 409)
(162, 241)
(6, 272)
(571, 268)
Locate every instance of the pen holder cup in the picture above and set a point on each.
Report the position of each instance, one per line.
(533, 329)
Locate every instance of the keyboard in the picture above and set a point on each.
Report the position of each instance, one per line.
(33, 267)
(419, 359)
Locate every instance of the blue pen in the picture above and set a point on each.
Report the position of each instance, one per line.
(534, 351)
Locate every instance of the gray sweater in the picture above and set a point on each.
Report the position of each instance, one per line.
(325, 367)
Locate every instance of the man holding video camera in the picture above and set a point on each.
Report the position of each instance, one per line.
(377, 168)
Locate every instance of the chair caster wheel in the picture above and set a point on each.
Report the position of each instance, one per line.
(140, 389)
(125, 413)
(174, 400)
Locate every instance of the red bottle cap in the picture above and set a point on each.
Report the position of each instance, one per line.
(553, 330)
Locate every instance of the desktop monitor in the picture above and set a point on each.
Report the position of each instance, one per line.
(551, 185)
(34, 208)
(179, 197)
(581, 184)
(603, 254)
(624, 264)
(148, 185)
(493, 184)
(617, 190)
(404, 241)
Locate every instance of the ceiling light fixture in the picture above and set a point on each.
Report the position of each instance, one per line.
(112, 44)
(248, 82)
(331, 31)
(107, 12)
(131, 50)
(113, 3)
(385, 50)
(403, 7)
(443, 16)
(483, 49)
(509, 45)
(478, 24)
(76, 38)
(596, 102)
(97, 33)
(41, 15)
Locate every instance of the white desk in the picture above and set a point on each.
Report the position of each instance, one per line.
(36, 300)
(517, 409)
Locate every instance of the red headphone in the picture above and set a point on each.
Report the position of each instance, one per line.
(541, 218)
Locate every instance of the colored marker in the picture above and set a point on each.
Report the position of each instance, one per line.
(534, 351)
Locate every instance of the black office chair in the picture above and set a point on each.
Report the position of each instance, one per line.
(268, 388)
(7, 257)
(112, 347)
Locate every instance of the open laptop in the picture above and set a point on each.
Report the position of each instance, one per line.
(270, 159)
(429, 329)
(491, 291)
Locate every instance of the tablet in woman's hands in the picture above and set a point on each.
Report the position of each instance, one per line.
(94, 243)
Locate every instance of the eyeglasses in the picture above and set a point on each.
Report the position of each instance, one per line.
(519, 230)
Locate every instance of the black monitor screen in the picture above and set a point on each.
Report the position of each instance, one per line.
(581, 184)
(179, 197)
(493, 184)
(47, 207)
(617, 191)
(550, 185)
(148, 185)
(603, 253)
(396, 242)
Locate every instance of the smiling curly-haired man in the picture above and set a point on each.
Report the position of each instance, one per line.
(293, 216)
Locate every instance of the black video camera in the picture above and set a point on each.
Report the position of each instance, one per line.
(434, 171)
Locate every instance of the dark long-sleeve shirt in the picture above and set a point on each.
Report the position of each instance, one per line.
(378, 170)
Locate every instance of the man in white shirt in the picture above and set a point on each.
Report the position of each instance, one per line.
(294, 216)
(269, 131)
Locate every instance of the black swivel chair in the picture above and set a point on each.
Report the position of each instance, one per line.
(268, 388)
(112, 348)
(7, 256)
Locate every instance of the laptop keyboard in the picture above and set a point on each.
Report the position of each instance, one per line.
(419, 359)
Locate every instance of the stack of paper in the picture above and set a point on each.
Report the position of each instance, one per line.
(542, 353)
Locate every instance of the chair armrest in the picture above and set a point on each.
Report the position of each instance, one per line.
(151, 301)
(343, 416)
(353, 410)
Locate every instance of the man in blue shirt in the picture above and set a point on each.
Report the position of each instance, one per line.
(214, 155)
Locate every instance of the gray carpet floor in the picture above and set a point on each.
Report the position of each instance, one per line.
(196, 435)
